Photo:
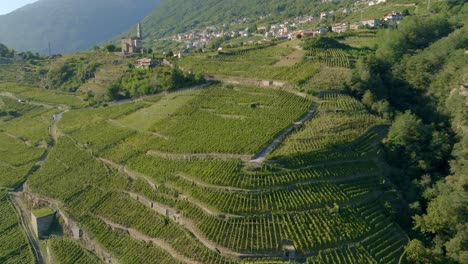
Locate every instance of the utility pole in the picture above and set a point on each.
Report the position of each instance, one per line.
(428, 5)
(50, 50)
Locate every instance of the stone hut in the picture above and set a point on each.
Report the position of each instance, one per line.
(42, 219)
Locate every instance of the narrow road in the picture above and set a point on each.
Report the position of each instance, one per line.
(23, 214)
(41, 104)
(260, 157)
(18, 204)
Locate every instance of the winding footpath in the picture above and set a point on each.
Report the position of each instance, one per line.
(40, 104)
(24, 218)
(22, 210)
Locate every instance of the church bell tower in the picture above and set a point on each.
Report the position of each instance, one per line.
(139, 34)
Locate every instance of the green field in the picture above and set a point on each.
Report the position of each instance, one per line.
(166, 107)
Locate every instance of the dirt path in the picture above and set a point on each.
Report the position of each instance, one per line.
(53, 130)
(41, 104)
(16, 201)
(25, 223)
(159, 242)
(260, 157)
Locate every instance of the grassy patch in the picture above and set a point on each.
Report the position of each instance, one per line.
(41, 212)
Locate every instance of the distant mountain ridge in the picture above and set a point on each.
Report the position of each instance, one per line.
(70, 25)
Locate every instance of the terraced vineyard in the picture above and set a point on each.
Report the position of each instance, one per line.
(239, 121)
(23, 139)
(341, 120)
(335, 58)
(171, 178)
(256, 63)
(14, 245)
(328, 79)
(69, 251)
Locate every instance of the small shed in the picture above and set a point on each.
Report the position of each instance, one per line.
(42, 220)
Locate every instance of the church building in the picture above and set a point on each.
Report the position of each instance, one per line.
(133, 44)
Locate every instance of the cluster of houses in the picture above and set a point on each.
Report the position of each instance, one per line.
(202, 37)
(361, 3)
(287, 29)
(340, 27)
(284, 30)
(196, 38)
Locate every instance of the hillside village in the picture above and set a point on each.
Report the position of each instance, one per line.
(301, 26)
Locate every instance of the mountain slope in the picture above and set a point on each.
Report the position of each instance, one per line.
(175, 16)
(70, 25)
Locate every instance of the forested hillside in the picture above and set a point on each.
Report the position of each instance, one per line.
(419, 76)
(69, 25)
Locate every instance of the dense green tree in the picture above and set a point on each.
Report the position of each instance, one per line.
(414, 32)
(140, 81)
(406, 132)
(4, 51)
(71, 74)
(110, 48)
(417, 253)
